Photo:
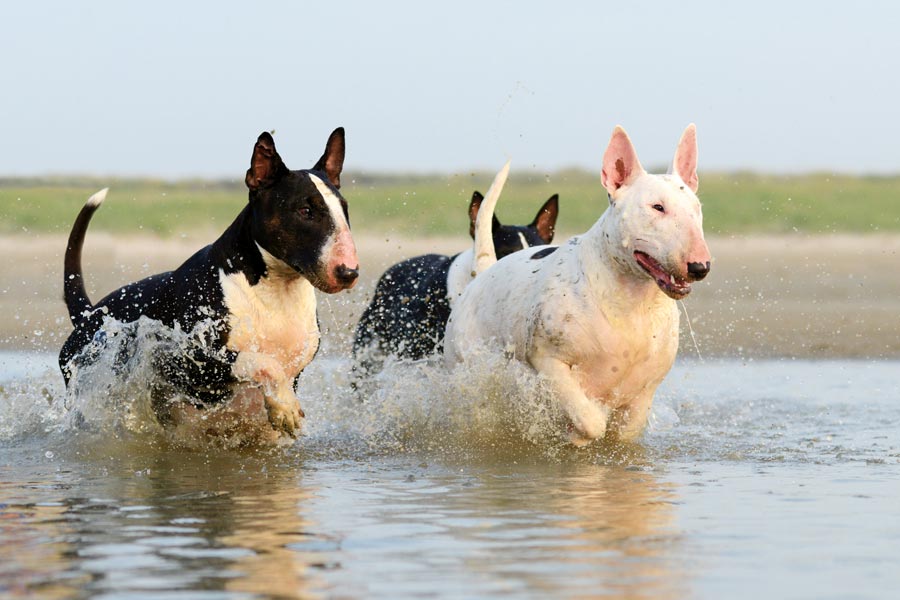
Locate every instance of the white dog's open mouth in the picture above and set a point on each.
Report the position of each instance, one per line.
(672, 286)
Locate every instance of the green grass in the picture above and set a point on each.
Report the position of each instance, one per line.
(815, 203)
(435, 205)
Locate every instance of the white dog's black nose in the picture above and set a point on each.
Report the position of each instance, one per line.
(698, 271)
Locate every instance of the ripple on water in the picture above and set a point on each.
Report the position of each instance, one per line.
(802, 412)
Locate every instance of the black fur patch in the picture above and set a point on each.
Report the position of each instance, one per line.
(544, 252)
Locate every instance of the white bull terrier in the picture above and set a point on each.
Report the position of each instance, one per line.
(597, 316)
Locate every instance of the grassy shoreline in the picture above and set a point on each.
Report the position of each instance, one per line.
(435, 205)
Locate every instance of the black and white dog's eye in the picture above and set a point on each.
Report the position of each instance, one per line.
(659, 207)
(306, 212)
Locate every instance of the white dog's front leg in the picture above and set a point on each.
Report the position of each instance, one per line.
(629, 421)
(588, 418)
(282, 406)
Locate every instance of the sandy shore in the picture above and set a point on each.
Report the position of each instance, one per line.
(792, 296)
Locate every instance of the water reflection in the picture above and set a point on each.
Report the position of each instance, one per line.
(131, 518)
(35, 540)
(140, 519)
(569, 529)
(229, 520)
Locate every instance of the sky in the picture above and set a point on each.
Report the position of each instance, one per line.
(182, 89)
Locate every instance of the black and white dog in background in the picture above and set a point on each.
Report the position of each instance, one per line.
(255, 284)
(412, 301)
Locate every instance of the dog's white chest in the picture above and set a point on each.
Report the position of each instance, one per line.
(629, 357)
(276, 317)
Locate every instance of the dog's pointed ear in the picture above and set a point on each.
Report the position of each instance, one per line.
(332, 161)
(620, 162)
(545, 220)
(265, 164)
(474, 205)
(685, 163)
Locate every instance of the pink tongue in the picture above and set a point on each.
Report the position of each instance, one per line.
(653, 267)
(662, 278)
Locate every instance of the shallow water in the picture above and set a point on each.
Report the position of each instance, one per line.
(775, 478)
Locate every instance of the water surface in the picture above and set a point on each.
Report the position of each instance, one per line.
(775, 478)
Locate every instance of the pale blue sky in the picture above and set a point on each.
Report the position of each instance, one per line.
(177, 89)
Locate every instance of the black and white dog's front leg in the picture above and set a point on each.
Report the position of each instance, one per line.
(261, 371)
(197, 369)
(211, 375)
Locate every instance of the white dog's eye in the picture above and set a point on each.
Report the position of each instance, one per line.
(659, 207)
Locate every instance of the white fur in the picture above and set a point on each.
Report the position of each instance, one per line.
(460, 274)
(484, 255)
(523, 240)
(97, 199)
(481, 255)
(339, 248)
(331, 200)
(588, 317)
(273, 329)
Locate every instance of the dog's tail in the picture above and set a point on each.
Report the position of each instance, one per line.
(484, 254)
(76, 297)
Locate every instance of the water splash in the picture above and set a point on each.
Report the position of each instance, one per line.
(492, 410)
(687, 319)
(29, 399)
(119, 387)
(489, 406)
(112, 380)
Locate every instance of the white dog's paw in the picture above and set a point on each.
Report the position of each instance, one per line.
(575, 437)
(585, 426)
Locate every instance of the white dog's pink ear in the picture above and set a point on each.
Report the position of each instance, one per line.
(685, 163)
(620, 162)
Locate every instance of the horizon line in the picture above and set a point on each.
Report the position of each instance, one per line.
(6, 178)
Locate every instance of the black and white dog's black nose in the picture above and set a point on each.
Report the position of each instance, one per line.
(345, 274)
(697, 271)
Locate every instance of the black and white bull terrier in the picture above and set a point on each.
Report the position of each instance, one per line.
(255, 283)
(412, 301)
(596, 317)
